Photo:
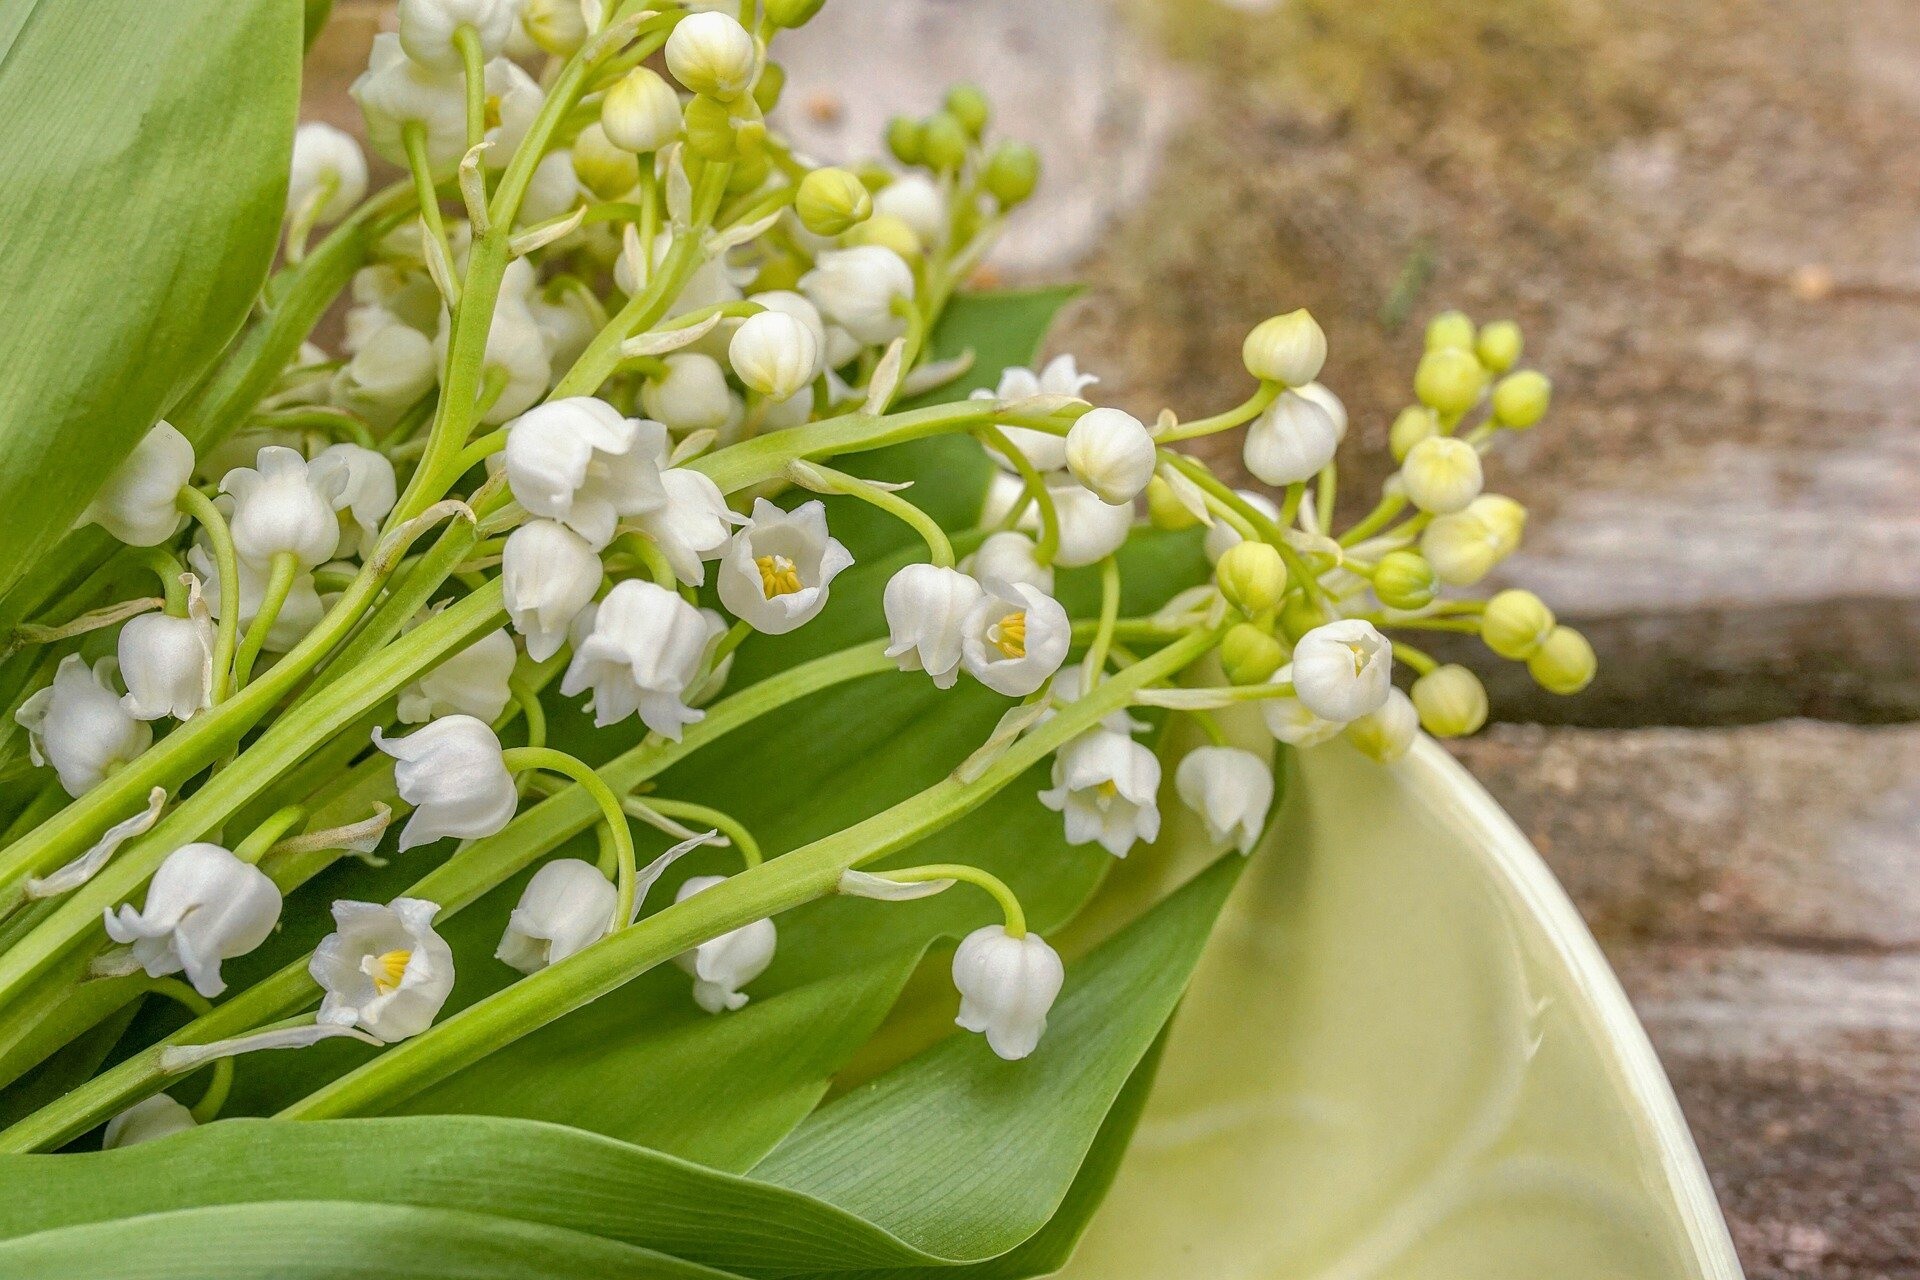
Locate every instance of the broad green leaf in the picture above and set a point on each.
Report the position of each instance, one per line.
(141, 187)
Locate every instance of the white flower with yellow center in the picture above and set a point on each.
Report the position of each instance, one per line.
(775, 573)
(644, 653)
(1343, 670)
(1014, 638)
(721, 966)
(384, 970)
(1106, 786)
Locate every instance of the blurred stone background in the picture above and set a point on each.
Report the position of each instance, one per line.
(1707, 217)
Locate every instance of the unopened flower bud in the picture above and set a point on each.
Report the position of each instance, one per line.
(906, 139)
(1450, 380)
(1335, 407)
(831, 201)
(967, 104)
(1287, 349)
(712, 54)
(944, 141)
(167, 663)
(1006, 986)
(1012, 173)
(1009, 557)
(1293, 440)
(1461, 548)
(1299, 616)
(548, 574)
(1343, 670)
(1404, 580)
(1165, 509)
(1249, 655)
(604, 169)
(1506, 519)
(641, 113)
(427, 27)
(1564, 663)
(1252, 577)
(775, 354)
(1386, 734)
(567, 906)
(1442, 474)
(1415, 423)
(1521, 399)
(792, 13)
(79, 726)
(1451, 701)
(926, 609)
(325, 159)
(713, 129)
(721, 966)
(1450, 330)
(691, 395)
(768, 88)
(1498, 345)
(1110, 452)
(1516, 624)
(887, 231)
(558, 26)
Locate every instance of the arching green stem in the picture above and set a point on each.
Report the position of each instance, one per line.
(227, 565)
(518, 758)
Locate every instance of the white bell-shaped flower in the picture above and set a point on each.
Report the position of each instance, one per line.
(579, 462)
(694, 525)
(1090, 529)
(1387, 733)
(548, 574)
(167, 662)
(1060, 377)
(644, 654)
(855, 288)
(568, 905)
(775, 354)
(427, 27)
(1335, 407)
(723, 965)
(1293, 440)
(1289, 720)
(1230, 789)
(927, 608)
(691, 395)
(393, 365)
(1015, 638)
(367, 491)
(78, 725)
(300, 613)
(1010, 556)
(136, 505)
(1004, 491)
(776, 571)
(156, 1117)
(472, 682)
(515, 99)
(1111, 453)
(712, 53)
(641, 112)
(553, 190)
(915, 200)
(384, 969)
(1106, 786)
(1343, 670)
(329, 169)
(203, 906)
(283, 504)
(1223, 536)
(452, 773)
(1007, 986)
(516, 352)
(1442, 475)
(395, 91)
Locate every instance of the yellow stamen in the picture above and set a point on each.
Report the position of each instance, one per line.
(1359, 658)
(779, 576)
(493, 111)
(387, 969)
(1009, 635)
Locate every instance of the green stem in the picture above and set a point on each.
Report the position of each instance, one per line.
(939, 548)
(1246, 411)
(222, 1083)
(1049, 544)
(286, 568)
(528, 700)
(227, 563)
(166, 568)
(413, 135)
(473, 65)
(268, 833)
(1009, 904)
(701, 815)
(1421, 661)
(1379, 518)
(1094, 665)
(521, 758)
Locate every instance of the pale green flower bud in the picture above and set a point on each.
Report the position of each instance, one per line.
(1252, 577)
(715, 129)
(1404, 580)
(711, 54)
(1521, 399)
(1415, 423)
(1564, 663)
(889, 232)
(1299, 616)
(1498, 345)
(1451, 701)
(832, 201)
(604, 169)
(1013, 171)
(641, 113)
(1386, 734)
(967, 104)
(1506, 519)
(1249, 655)
(1442, 474)
(1450, 330)
(1287, 349)
(1516, 624)
(906, 139)
(1460, 547)
(1165, 509)
(944, 141)
(1450, 380)
(768, 88)
(792, 13)
(557, 26)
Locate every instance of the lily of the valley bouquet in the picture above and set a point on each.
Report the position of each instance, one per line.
(600, 764)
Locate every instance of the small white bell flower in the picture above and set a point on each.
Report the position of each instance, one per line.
(1289, 721)
(567, 906)
(1061, 377)
(78, 725)
(1111, 453)
(156, 1117)
(692, 395)
(723, 965)
(579, 462)
(1335, 407)
(776, 571)
(1293, 440)
(927, 608)
(384, 969)
(1343, 670)
(548, 574)
(393, 365)
(136, 505)
(1091, 529)
(1230, 789)
(641, 112)
(326, 159)
(915, 200)
(1015, 638)
(1388, 733)
(1106, 786)
(427, 27)
(775, 354)
(1442, 475)
(281, 504)
(552, 191)
(855, 288)
(644, 654)
(299, 614)
(203, 906)
(452, 773)
(712, 53)
(515, 348)
(167, 662)
(367, 490)
(1007, 986)
(395, 90)
(472, 682)
(566, 327)
(710, 284)
(1223, 536)
(515, 98)
(694, 525)
(1009, 557)
(1004, 491)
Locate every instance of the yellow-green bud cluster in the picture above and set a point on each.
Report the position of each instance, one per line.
(832, 201)
(1252, 577)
